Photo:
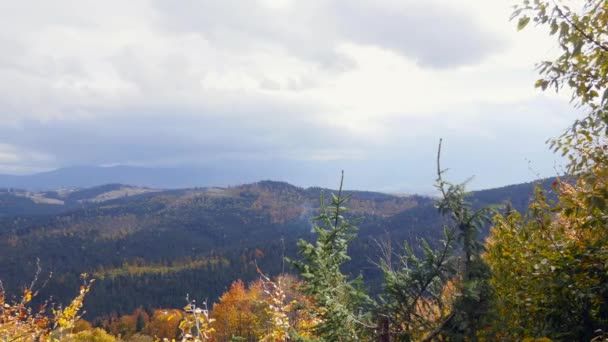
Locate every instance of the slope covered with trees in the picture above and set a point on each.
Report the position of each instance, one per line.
(151, 248)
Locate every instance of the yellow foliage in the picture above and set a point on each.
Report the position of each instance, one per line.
(552, 258)
(65, 318)
(95, 335)
(19, 322)
(196, 324)
(277, 308)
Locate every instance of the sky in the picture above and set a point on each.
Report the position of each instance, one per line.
(302, 89)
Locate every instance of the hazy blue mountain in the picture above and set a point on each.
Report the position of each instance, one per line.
(89, 176)
(301, 173)
(221, 174)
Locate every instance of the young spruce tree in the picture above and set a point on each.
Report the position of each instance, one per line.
(339, 303)
(446, 293)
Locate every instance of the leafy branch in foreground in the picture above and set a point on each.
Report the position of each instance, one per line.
(20, 322)
(196, 325)
(581, 31)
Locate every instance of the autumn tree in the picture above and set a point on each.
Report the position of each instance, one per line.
(240, 313)
(127, 325)
(550, 265)
(93, 335)
(164, 324)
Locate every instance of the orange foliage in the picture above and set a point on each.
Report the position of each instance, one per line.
(164, 324)
(126, 326)
(240, 312)
(270, 310)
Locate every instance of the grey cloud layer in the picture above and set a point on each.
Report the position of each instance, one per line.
(434, 35)
(156, 135)
(274, 145)
(149, 83)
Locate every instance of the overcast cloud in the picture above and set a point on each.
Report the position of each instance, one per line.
(312, 86)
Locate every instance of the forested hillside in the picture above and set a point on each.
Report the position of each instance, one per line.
(149, 248)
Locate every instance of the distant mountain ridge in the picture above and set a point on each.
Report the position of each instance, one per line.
(169, 177)
(90, 176)
(187, 176)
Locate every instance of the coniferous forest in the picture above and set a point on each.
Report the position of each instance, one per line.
(269, 261)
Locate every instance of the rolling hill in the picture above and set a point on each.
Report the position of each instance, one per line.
(150, 247)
